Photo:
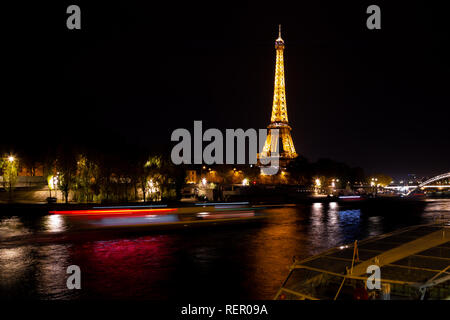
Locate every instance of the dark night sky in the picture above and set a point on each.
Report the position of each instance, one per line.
(134, 73)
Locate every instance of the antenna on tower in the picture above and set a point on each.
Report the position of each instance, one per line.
(279, 31)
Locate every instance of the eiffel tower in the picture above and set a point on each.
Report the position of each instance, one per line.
(279, 119)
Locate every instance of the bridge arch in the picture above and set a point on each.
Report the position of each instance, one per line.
(436, 178)
(431, 180)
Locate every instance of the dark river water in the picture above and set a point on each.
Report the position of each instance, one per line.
(247, 261)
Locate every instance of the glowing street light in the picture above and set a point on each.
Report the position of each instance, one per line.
(318, 183)
(373, 182)
(53, 182)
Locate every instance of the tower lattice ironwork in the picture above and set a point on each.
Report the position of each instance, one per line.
(279, 118)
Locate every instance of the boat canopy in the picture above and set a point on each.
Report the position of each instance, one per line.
(413, 263)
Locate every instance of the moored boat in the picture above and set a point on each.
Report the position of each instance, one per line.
(412, 263)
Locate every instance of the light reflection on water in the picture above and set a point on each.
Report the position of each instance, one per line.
(376, 223)
(14, 264)
(52, 262)
(245, 262)
(331, 225)
(12, 226)
(437, 209)
(54, 223)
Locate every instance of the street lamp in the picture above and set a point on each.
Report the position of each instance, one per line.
(318, 183)
(374, 185)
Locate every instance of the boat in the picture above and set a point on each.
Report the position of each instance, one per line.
(413, 263)
(160, 217)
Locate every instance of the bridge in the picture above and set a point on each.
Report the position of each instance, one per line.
(426, 184)
(439, 177)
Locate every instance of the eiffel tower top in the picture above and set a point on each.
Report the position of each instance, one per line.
(279, 43)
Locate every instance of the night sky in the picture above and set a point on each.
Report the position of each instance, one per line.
(378, 99)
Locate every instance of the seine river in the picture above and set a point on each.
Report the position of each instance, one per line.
(234, 262)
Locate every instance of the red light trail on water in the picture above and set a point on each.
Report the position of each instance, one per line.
(128, 212)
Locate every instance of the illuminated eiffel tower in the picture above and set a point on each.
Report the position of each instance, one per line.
(279, 119)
